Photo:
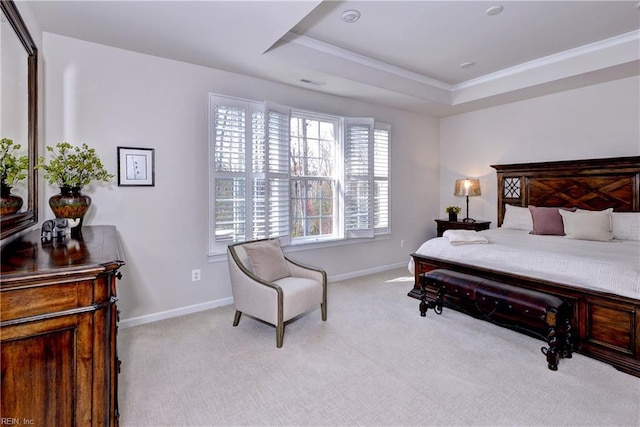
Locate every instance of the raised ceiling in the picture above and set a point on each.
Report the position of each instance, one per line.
(405, 55)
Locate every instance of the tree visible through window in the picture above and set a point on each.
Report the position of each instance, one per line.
(313, 176)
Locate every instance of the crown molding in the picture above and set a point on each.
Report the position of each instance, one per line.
(475, 88)
(550, 60)
(350, 56)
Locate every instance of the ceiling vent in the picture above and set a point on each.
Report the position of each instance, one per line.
(312, 82)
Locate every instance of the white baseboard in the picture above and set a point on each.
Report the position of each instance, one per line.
(181, 311)
(361, 273)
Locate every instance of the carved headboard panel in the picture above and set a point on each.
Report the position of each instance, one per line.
(593, 184)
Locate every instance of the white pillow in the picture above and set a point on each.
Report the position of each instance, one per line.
(626, 225)
(517, 218)
(606, 211)
(587, 225)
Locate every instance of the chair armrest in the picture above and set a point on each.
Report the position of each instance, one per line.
(253, 295)
(314, 273)
(301, 270)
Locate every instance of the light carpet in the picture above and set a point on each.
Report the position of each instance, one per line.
(374, 362)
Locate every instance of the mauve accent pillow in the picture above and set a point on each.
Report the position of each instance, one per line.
(547, 221)
(267, 260)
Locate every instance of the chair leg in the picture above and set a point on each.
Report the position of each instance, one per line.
(279, 334)
(236, 319)
(323, 309)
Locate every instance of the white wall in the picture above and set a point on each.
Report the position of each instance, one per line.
(593, 122)
(109, 97)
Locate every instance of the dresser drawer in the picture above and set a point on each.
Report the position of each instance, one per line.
(44, 299)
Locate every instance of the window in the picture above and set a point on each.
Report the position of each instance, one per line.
(297, 175)
(314, 176)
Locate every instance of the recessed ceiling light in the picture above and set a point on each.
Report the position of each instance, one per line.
(467, 65)
(494, 10)
(350, 16)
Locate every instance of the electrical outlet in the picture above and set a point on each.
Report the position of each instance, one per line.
(402, 243)
(195, 275)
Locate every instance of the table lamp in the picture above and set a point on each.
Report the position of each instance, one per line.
(467, 187)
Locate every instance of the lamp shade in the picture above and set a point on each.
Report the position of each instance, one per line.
(467, 187)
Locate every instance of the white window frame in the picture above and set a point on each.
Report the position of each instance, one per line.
(336, 177)
(272, 208)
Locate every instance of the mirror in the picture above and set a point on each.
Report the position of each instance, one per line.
(19, 110)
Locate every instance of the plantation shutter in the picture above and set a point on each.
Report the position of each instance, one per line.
(227, 157)
(277, 172)
(381, 178)
(257, 188)
(270, 175)
(237, 129)
(359, 183)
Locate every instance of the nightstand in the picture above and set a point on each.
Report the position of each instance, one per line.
(445, 224)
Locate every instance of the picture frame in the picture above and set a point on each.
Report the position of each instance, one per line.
(136, 167)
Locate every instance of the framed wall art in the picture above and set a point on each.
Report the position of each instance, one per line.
(136, 167)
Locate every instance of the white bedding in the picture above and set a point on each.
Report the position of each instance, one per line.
(605, 266)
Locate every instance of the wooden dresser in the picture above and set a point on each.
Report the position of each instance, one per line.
(58, 324)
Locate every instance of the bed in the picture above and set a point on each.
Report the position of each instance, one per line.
(600, 279)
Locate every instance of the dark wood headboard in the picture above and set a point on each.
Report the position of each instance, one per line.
(593, 184)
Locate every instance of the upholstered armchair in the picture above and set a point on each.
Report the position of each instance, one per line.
(270, 287)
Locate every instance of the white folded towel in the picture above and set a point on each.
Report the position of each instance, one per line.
(464, 237)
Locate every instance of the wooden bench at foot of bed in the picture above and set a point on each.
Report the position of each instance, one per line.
(536, 313)
(606, 327)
